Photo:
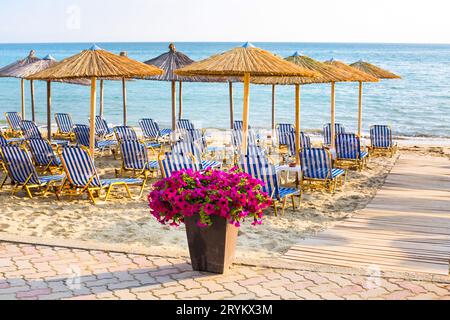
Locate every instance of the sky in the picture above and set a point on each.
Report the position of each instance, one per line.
(386, 21)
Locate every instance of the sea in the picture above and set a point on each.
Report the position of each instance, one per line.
(418, 105)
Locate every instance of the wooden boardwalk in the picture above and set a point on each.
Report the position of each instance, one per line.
(405, 228)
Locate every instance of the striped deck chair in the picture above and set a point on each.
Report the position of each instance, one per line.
(260, 168)
(184, 124)
(305, 143)
(196, 136)
(283, 130)
(30, 130)
(172, 162)
(192, 150)
(381, 140)
(82, 176)
(13, 119)
(348, 150)
(65, 126)
(125, 133)
(3, 142)
(82, 134)
(238, 125)
(102, 129)
(151, 130)
(23, 174)
(317, 167)
(43, 154)
(135, 159)
(237, 137)
(339, 129)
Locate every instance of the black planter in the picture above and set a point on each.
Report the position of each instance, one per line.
(212, 249)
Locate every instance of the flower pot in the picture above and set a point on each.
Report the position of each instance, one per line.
(212, 249)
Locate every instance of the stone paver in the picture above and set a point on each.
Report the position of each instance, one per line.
(46, 273)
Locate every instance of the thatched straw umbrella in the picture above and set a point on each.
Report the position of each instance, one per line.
(248, 61)
(96, 63)
(41, 65)
(171, 61)
(374, 71)
(19, 69)
(326, 74)
(359, 76)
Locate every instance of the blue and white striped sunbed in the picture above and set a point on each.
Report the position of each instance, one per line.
(382, 140)
(135, 158)
(173, 162)
(43, 154)
(348, 149)
(339, 129)
(283, 130)
(152, 131)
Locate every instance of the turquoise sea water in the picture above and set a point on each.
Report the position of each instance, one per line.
(418, 105)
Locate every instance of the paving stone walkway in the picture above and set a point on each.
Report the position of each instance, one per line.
(39, 272)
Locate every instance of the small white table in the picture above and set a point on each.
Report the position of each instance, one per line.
(288, 169)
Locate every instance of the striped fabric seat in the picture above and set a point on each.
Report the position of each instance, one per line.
(348, 148)
(339, 129)
(305, 142)
(82, 174)
(22, 172)
(317, 166)
(13, 119)
(101, 127)
(64, 123)
(237, 137)
(43, 154)
(191, 149)
(238, 125)
(197, 137)
(184, 124)
(174, 162)
(82, 134)
(30, 130)
(260, 168)
(124, 133)
(381, 140)
(135, 157)
(283, 131)
(151, 130)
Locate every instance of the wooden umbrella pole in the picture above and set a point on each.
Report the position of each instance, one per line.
(33, 111)
(273, 109)
(297, 124)
(22, 87)
(49, 110)
(360, 109)
(92, 120)
(124, 94)
(333, 120)
(174, 106)
(102, 101)
(231, 105)
(180, 98)
(246, 113)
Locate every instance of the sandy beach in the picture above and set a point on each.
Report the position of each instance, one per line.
(128, 222)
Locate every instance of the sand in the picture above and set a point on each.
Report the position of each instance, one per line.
(128, 222)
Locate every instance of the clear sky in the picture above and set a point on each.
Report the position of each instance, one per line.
(227, 20)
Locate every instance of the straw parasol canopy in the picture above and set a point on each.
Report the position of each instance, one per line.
(97, 63)
(19, 69)
(248, 61)
(169, 62)
(244, 60)
(374, 71)
(357, 74)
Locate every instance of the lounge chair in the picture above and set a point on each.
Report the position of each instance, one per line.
(317, 168)
(237, 137)
(196, 136)
(191, 149)
(184, 124)
(13, 119)
(65, 126)
(305, 143)
(23, 174)
(124, 133)
(30, 130)
(349, 151)
(82, 176)
(102, 129)
(151, 130)
(339, 129)
(260, 168)
(172, 162)
(135, 159)
(381, 140)
(283, 130)
(43, 154)
(82, 134)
